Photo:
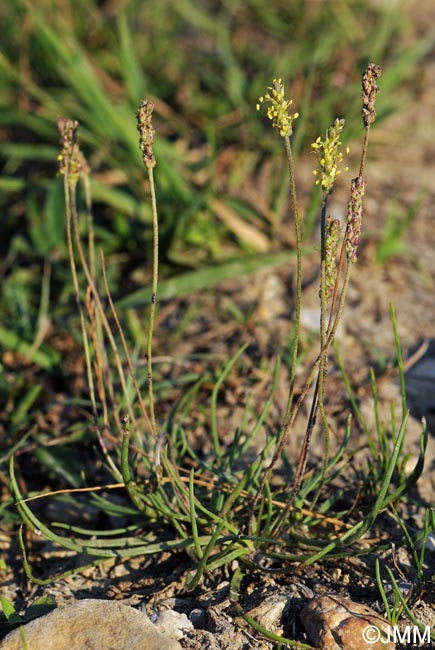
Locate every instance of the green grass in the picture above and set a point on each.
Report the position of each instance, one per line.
(95, 67)
(88, 64)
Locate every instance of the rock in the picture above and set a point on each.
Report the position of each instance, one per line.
(172, 622)
(91, 625)
(198, 617)
(270, 612)
(336, 623)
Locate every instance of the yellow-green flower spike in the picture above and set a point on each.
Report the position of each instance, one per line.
(278, 111)
(329, 156)
(331, 247)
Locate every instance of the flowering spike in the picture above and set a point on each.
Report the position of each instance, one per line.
(354, 217)
(331, 247)
(329, 156)
(370, 90)
(278, 111)
(72, 162)
(146, 132)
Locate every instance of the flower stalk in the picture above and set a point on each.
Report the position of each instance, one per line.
(146, 141)
(333, 287)
(282, 120)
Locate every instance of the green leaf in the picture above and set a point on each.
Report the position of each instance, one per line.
(9, 611)
(64, 462)
(206, 278)
(44, 356)
(40, 607)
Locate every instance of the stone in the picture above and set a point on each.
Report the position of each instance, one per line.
(337, 623)
(171, 621)
(271, 612)
(91, 624)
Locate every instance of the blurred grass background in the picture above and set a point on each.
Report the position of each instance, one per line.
(221, 179)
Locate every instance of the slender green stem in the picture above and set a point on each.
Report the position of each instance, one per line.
(130, 485)
(193, 516)
(323, 319)
(71, 218)
(288, 419)
(399, 360)
(104, 320)
(327, 333)
(317, 401)
(153, 299)
(298, 236)
(364, 149)
(124, 343)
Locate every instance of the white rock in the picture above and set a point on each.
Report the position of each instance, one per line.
(92, 625)
(171, 622)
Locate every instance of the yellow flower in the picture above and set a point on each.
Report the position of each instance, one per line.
(278, 111)
(329, 156)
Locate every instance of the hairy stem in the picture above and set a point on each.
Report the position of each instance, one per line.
(288, 418)
(153, 300)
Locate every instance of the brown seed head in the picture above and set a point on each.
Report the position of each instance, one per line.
(72, 162)
(146, 132)
(370, 90)
(354, 217)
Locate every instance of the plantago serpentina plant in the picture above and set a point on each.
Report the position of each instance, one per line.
(331, 297)
(209, 507)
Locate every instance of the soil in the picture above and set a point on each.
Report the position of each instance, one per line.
(399, 174)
